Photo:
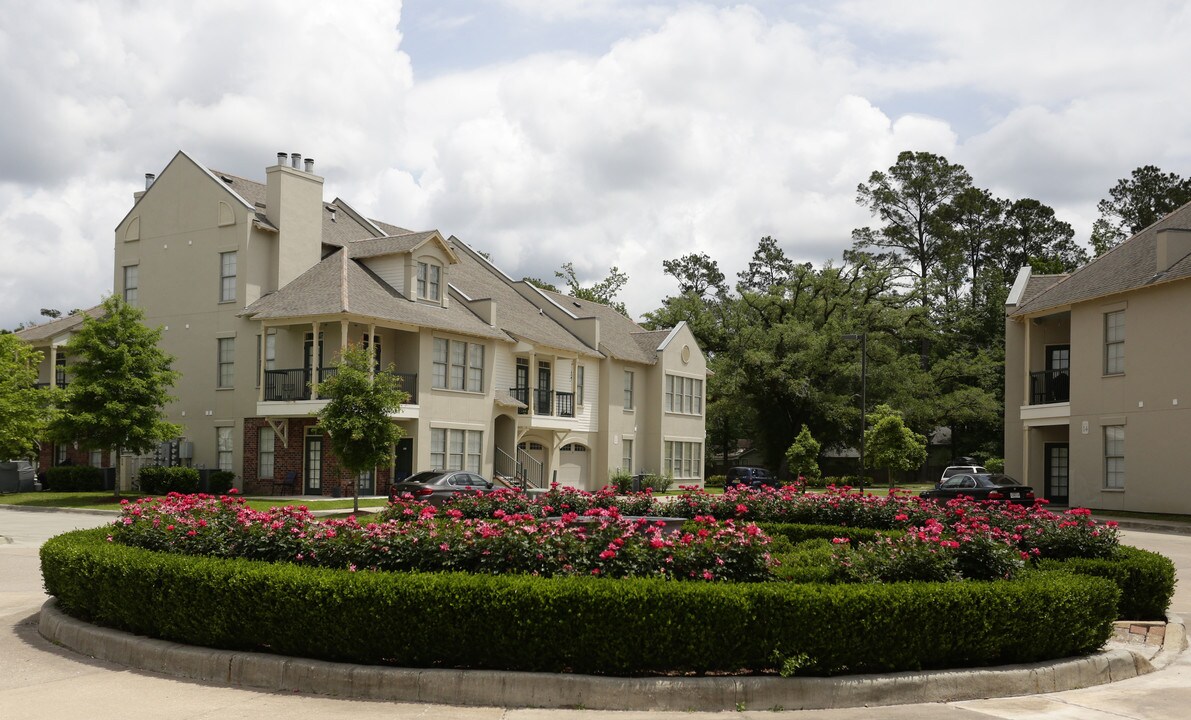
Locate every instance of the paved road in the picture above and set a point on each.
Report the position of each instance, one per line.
(40, 681)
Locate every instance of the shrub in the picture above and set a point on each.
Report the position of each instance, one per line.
(715, 481)
(659, 625)
(1146, 579)
(220, 481)
(74, 478)
(798, 534)
(162, 480)
(621, 479)
(995, 465)
(657, 483)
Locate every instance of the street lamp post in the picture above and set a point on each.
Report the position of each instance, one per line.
(863, 338)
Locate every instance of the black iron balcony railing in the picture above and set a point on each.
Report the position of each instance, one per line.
(566, 404)
(542, 401)
(294, 384)
(521, 395)
(545, 402)
(1050, 386)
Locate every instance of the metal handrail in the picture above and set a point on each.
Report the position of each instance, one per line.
(1050, 386)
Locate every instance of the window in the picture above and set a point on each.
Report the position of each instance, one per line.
(579, 385)
(1114, 457)
(60, 369)
(628, 390)
(429, 278)
(265, 453)
(458, 365)
(626, 459)
(375, 345)
(227, 276)
(270, 354)
(96, 458)
(1114, 342)
(131, 283)
(223, 447)
(226, 371)
(684, 395)
(683, 459)
(456, 449)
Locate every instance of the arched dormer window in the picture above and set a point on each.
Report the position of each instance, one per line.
(429, 281)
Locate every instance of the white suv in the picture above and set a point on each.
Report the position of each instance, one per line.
(964, 469)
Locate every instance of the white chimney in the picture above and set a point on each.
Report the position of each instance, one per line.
(281, 158)
(295, 161)
(149, 178)
(309, 165)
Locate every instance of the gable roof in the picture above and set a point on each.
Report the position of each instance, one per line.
(1129, 266)
(408, 242)
(48, 330)
(340, 285)
(616, 330)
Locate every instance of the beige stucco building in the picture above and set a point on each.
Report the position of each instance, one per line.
(258, 286)
(1097, 393)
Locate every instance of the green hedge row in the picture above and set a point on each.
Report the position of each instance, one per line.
(74, 478)
(162, 480)
(1146, 579)
(590, 625)
(796, 532)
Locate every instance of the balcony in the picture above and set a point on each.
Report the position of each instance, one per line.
(1050, 386)
(548, 403)
(294, 384)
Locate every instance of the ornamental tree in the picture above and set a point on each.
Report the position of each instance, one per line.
(358, 417)
(119, 386)
(803, 455)
(891, 445)
(25, 410)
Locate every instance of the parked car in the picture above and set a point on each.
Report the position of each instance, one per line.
(750, 476)
(958, 469)
(982, 486)
(438, 486)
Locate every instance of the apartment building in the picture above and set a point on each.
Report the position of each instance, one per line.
(1097, 394)
(258, 287)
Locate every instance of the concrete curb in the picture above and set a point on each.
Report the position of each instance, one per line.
(1173, 642)
(113, 513)
(548, 690)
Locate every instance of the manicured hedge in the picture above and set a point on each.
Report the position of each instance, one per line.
(161, 480)
(1146, 579)
(797, 532)
(521, 622)
(74, 478)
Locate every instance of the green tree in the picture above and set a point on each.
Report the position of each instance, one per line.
(890, 444)
(802, 457)
(541, 284)
(1033, 234)
(696, 274)
(909, 200)
(25, 410)
(120, 385)
(1137, 202)
(357, 417)
(603, 291)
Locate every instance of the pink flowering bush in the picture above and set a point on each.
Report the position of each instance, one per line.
(600, 543)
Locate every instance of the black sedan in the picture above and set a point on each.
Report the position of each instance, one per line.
(982, 486)
(438, 486)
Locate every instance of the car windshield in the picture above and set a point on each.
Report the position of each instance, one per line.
(1002, 480)
(423, 477)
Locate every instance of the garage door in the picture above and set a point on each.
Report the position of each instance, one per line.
(573, 465)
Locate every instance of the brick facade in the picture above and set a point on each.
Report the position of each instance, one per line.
(48, 455)
(291, 458)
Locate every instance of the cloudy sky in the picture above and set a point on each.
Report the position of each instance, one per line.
(601, 132)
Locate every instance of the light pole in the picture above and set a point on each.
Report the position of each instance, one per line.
(863, 338)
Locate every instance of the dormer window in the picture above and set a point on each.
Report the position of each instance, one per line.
(429, 279)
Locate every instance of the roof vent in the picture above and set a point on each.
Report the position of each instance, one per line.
(226, 179)
(309, 165)
(149, 178)
(281, 158)
(295, 161)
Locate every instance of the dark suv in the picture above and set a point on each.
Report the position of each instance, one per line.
(750, 476)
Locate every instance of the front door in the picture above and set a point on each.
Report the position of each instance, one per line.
(521, 391)
(1056, 472)
(313, 477)
(403, 459)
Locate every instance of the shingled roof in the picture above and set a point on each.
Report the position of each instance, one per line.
(47, 330)
(340, 285)
(616, 330)
(1129, 266)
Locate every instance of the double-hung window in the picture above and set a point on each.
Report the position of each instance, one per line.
(429, 281)
(684, 395)
(226, 366)
(626, 455)
(223, 447)
(628, 389)
(683, 459)
(579, 381)
(452, 449)
(1114, 342)
(458, 365)
(131, 283)
(227, 276)
(1114, 457)
(265, 453)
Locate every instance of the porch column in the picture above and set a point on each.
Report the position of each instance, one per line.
(53, 365)
(314, 362)
(260, 371)
(1026, 379)
(374, 358)
(1025, 456)
(533, 383)
(342, 337)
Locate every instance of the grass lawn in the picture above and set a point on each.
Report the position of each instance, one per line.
(105, 501)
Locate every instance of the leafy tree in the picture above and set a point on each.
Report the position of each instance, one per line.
(890, 444)
(696, 274)
(802, 457)
(51, 313)
(769, 269)
(357, 416)
(908, 199)
(120, 385)
(25, 410)
(541, 284)
(1033, 233)
(973, 221)
(604, 291)
(1137, 202)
